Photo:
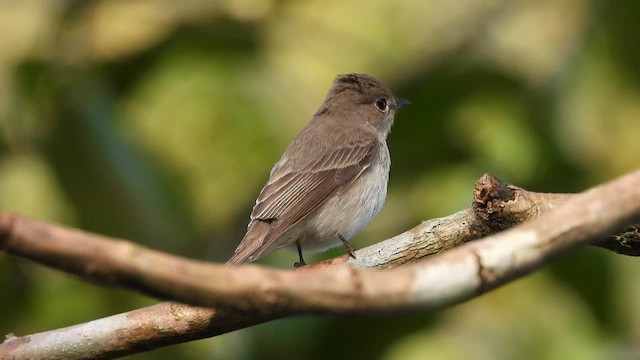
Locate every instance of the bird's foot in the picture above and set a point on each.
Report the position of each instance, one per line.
(350, 249)
(300, 263)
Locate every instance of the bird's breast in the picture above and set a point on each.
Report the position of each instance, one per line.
(350, 211)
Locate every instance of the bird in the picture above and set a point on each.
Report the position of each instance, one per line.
(331, 181)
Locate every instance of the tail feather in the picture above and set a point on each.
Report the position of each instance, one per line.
(253, 244)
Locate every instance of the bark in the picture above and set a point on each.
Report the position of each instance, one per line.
(251, 294)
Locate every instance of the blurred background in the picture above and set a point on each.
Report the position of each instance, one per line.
(158, 121)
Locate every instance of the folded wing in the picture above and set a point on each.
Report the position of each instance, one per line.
(293, 192)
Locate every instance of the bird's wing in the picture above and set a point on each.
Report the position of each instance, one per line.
(294, 191)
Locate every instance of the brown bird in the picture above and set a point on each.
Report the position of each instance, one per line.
(332, 179)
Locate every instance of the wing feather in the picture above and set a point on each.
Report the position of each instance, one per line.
(295, 191)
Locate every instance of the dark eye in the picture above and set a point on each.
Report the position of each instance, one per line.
(381, 104)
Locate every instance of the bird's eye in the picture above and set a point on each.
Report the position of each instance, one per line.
(381, 104)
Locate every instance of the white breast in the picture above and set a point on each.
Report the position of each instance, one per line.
(350, 212)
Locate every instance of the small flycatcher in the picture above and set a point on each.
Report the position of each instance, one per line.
(332, 179)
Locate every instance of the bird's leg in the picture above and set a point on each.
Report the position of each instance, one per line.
(350, 249)
(301, 262)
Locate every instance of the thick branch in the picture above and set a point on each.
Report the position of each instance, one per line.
(131, 332)
(456, 275)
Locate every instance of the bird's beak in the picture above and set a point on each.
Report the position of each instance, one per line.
(401, 102)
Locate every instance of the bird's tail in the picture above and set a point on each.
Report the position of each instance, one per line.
(253, 243)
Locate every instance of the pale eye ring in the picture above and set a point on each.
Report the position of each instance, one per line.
(381, 104)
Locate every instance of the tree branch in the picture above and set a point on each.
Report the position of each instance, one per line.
(135, 331)
(266, 294)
